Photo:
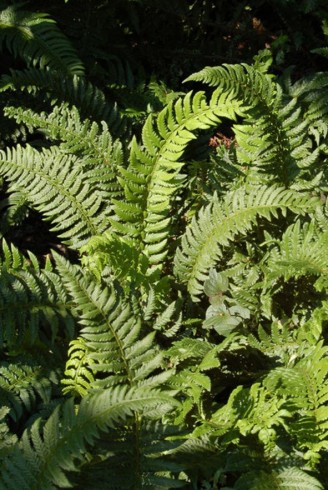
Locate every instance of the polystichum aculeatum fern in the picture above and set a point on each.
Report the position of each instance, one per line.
(187, 344)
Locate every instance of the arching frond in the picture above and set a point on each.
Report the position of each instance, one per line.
(219, 222)
(57, 186)
(90, 101)
(36, 38)
(153, 175)
(48, 454)
(111, 337)
(31, 300)
(246, 82)
(274, 140)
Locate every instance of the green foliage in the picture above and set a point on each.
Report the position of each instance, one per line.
(33, 303)
(36, 38)
(173, 334)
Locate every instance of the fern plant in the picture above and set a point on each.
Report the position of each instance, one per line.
(178, 338)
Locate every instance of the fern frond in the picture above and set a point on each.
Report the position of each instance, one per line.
(274, 138)
(153, 176)
(36, 38)
(57, 186)
(246, 82)
(23, 386)
(83, 138)
(46, 455)
(305, 382)
(111, 333)
(278, 344)
(98, 154)
(14, 209)
(28, 301)
(301, 251)
(113, 251)
(242, 77)
(153, 444)
(218, 223)
(90, 101)
(12, 259)
(7, 439)
(79, 376)
(285, 479)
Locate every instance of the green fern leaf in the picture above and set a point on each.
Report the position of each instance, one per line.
(36, 38)
(7, 439)
(153, 175)
(274, 139)
(110, 333)
(23, 385)
(46, 454)
(218, 223)
(82, 138)
(58, 188)
(302, 251)
(76, 91)
(248, 83)
(30, 301)
(286, 479)
(79, 376)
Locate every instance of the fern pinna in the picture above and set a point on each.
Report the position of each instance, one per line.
(182, 344)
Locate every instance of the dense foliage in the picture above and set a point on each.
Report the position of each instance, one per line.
(164, 270)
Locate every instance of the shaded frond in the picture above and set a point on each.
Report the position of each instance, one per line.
(284, 479)
(36, 38)
(12, 259)
(90, 101)
(305, 383)
(153, 443)
(48, 453)
(24, 386)
(7, 439)
(279, 343)
(301, 251)
(29, 301)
